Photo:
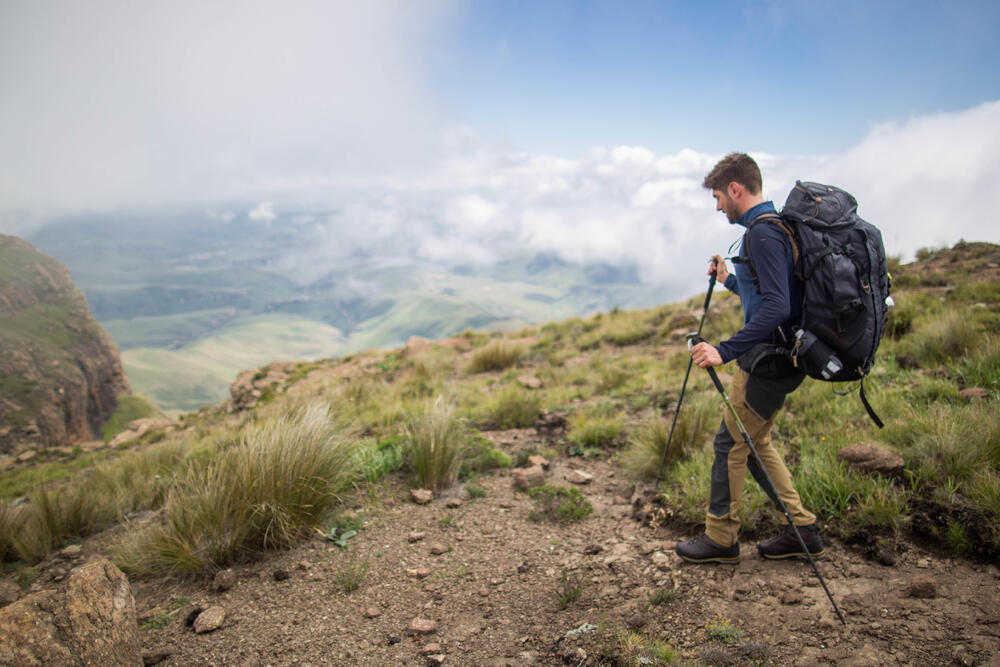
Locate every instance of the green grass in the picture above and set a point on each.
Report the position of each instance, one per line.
(264, 492)
(568, 590)
(435, 435)
(130, 408)
(514, 407)
(559, 503)
(695, 425)
(496, 356)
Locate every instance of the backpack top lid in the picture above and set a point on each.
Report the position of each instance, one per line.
(812, 203)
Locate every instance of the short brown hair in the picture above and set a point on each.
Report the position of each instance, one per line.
(738, 167)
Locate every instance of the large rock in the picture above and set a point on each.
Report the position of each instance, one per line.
(62, 372)
(89, 622)
(252, 385)
(867, 457)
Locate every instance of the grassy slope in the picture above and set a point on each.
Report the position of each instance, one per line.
(615, 377)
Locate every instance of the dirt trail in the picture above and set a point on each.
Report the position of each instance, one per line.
(490, 593)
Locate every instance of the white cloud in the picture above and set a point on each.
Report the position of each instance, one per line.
(263, 212)
(923, 182)
(928, 181)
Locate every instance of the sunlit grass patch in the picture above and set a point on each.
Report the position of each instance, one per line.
(496, 356)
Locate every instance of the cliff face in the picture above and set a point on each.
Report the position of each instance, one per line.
(60, 372)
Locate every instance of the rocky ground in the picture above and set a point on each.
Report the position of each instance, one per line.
(474, 581)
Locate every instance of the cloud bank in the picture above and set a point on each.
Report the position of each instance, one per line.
(922, 182)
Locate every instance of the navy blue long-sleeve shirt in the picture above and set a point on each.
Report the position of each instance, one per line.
(779, 301)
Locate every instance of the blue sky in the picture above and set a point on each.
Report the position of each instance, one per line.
(561, 76)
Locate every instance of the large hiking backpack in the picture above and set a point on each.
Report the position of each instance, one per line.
(841, 261)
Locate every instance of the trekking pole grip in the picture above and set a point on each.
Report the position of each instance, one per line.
(694, 339)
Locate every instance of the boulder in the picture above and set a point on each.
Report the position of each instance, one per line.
(529, 381)
(140, 427)
(91, 621)
(223, 580)
(526, 478)
(868, 457)
(421, 496)
(923, 586)
(209, 620)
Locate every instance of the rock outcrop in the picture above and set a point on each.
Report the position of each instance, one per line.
(60, 372)
(90, 622)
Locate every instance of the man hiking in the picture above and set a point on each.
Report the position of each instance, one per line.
(771, 297)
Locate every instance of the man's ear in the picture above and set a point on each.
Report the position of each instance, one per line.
(734, 190)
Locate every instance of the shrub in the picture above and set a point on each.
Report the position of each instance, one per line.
(376, 459)
(435, 437)
(265, 492)
(495, 356)
(559, 503)
(723, 630)
(478, 455)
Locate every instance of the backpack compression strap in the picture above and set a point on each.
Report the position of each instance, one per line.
(868, 407)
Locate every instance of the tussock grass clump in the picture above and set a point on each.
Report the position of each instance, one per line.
(11, 519)
(435, 437)
(51, 517)
(597, 426)
(496, 356)
(950, 336)
(265, 492)
(648, 440)
(514, 407)
(568, 590)
(559, 503)
(635, 649)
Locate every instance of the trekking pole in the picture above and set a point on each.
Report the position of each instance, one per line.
(680, 399)
(774, 492)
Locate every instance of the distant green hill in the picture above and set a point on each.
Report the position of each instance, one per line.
(191, 299)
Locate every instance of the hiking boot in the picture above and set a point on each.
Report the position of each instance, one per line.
(702, 549)
(786, 545)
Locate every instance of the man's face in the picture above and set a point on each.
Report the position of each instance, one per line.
(725, 204)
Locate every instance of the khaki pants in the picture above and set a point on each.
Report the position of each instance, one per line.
(757, 401)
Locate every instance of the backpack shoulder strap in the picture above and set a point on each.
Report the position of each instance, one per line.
(784, 226)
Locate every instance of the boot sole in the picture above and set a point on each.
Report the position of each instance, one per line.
(797, 554)
(725, 560)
